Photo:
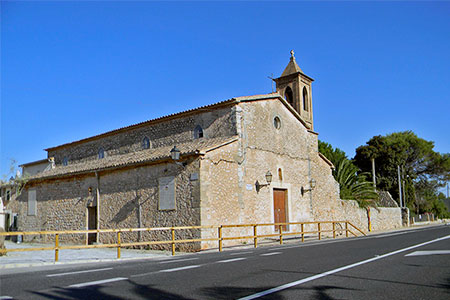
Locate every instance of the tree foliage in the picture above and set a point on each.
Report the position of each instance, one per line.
(335, 155)
(423, 170)
(353, 184)
(14, 179)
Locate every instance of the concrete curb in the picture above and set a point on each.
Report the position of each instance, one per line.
(37, 264)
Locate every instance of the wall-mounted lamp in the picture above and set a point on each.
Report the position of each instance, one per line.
(268, 179)
(175, 155)
(312, 185)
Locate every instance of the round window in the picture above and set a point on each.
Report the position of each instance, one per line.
(277, 122)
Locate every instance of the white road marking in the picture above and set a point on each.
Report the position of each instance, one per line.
(344, 240)
(6, 298)
(311, 278)
(181, 268)
(316, 243)
(270, 253)
(239, 253)
(97, 282)
(231, 260)
(177, 260)
(431, 252)
(78, 272)
(144, 274)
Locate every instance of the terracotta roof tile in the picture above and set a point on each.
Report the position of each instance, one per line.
(143, 156)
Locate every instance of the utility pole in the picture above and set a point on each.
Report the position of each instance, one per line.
(399, 186)
(404, 190)
(373, 174)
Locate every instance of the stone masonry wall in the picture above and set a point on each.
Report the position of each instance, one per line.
(293, 150)
(216, 123)
(123, 192)
(62, 204)
(289, 153)
(382, 218)
(214, 189)
(220, 193)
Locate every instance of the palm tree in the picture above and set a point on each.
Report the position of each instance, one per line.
(354, 186)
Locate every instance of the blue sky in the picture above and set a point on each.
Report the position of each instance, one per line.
(70, 70)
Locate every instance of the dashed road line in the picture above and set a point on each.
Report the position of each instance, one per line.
(77, 272)
(179, 269)
(270, 253)
(231, 260)
(311, 278)
(78, 285)
(430, 252)
(144, 274)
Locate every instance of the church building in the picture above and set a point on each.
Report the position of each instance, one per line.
(251, 159)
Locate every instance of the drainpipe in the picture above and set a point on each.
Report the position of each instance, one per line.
(310, 193)
(98, 203)
(400, 187)
(139, 207)
(139, 216)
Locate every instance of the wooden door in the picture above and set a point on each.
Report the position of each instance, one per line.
(92, 224)
(279, 207)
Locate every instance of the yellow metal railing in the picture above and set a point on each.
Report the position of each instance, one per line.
(173, 241)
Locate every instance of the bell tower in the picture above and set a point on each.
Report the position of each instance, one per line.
(295, 87)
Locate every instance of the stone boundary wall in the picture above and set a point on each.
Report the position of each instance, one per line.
(382, 218)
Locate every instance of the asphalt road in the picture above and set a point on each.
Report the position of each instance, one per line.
(410, 264)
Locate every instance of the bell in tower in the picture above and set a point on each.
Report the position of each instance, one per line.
(295, 87)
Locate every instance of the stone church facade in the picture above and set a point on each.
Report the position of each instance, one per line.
(126, 178)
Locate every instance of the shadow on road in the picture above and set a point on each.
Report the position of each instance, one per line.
(138, 291)
(318, 292)
(368, 278)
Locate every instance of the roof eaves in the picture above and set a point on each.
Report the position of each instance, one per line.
(257, 97)
(155, 160)
(294, 112)
(218, 146)
(156, 155)
(276, 95)
(326, 160)
(34, 162)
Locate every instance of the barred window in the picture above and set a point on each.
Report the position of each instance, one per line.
(101, 153)
(145, 143)
(198, 132)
